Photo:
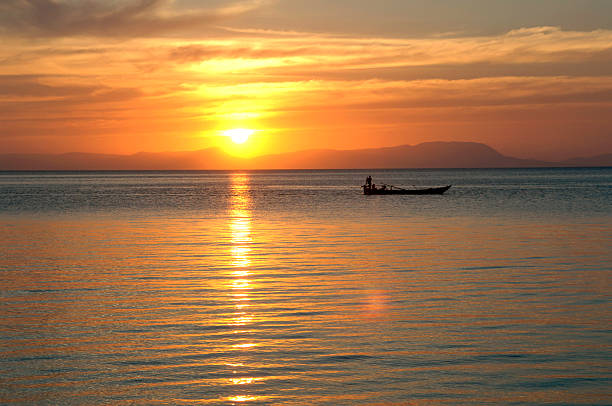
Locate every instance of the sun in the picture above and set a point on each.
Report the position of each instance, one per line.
(239, 135)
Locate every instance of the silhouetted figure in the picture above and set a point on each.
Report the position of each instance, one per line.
(369, 182)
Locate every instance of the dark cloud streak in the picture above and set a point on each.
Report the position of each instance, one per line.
(449, 71)
(30, 86)
(138, 18)
(198, 53)
(27, 97)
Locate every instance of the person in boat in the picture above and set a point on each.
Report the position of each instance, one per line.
(369, 182)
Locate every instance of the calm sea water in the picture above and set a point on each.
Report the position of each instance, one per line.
(219, 288)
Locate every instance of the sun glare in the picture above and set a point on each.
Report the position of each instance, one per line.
(239, 135)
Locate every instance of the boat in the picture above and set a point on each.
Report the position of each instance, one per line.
(393, 190)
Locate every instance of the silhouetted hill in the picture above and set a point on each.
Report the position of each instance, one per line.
(204, 159)
(425, 155)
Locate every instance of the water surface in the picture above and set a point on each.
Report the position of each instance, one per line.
(293, 288)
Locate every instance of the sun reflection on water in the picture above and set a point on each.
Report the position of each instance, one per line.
(242, 398)
(243, 381)
(240, 249)
(240, 285)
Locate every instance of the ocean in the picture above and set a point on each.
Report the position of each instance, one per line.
(293, 288)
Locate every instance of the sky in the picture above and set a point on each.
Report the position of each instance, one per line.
(532, 79)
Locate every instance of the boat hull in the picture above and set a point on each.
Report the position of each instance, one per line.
(428, 191)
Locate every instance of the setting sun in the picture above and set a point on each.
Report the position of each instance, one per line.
(239, 135)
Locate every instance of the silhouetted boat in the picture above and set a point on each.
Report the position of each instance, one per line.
(392, 190)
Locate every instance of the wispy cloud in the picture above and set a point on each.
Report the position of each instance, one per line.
(62, 18)
(288, 53)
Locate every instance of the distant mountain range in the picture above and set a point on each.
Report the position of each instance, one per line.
(425, 155)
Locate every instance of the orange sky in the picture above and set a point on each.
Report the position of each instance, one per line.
(153, 75)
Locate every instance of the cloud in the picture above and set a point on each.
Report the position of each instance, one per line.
(529, 51)
(62, 18)
(29, 86)
(197, 53)
(38, 97)
(530, 31)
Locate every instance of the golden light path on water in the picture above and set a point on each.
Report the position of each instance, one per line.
(240, 248)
